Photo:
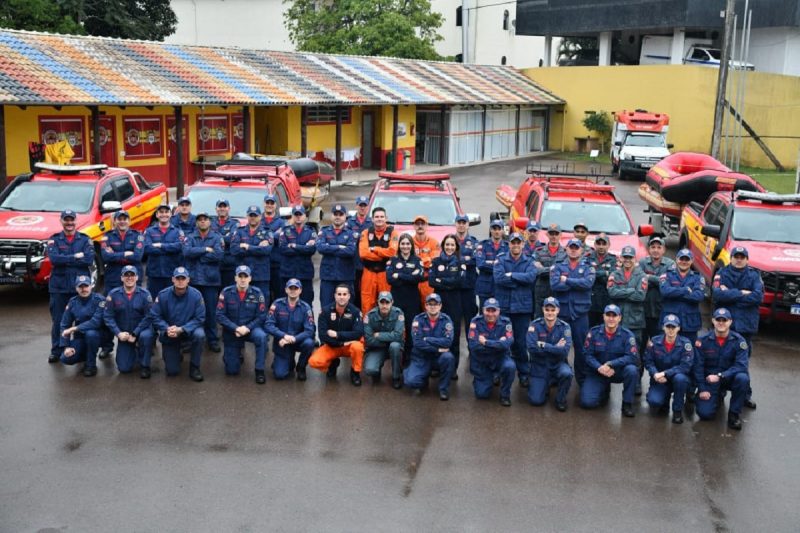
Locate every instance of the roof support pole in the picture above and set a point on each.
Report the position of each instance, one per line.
(604, 44)
(96, 155)
(395, 124)
(442, 125)
(516, 130)
(722, 79)
(303, 131)
(179, 146)
(548, 50)
(246, 125)
(483, 134)
(3, 169)
(338, 143)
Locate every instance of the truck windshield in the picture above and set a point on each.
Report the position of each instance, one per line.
(50, 196)
(649, 141)
(205, 199)
(766, 225)
(610, 218)
(403, 208)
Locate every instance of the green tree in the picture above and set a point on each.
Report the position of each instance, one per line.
(600, 123)
(128, 19)
(394, 28)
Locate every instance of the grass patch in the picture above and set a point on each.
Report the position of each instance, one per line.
(771, 179)
(579, 156)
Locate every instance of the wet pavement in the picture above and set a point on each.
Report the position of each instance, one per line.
(116, 453)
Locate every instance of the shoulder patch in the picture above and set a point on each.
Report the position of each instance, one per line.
(743, 345)
(688, 346)
(632, 341)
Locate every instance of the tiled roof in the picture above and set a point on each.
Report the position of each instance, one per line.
(42, 68)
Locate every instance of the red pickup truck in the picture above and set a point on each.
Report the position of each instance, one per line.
(766, 224)
(31, 205)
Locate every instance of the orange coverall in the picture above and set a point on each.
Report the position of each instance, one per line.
(374, 282)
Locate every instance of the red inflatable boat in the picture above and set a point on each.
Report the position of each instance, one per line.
(690, 177)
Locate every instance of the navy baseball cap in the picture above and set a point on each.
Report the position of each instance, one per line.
(294, 282)
(68, 213)
(83, 281)
(164, 206)
(602, 237)
(553, 228)
(491, 303)
(496, 223)
(298, 209)
(184, 200)
(129, 268)
(121, 213)
(722, 313)
(202, 214)
(574, 242)
(739, 250)
(515, 237)
(551, 300)
(462, 218)
(243, 269)
(672, 320)
(338, 208)
(385, 296)
(270, 198)
(180, 272)
(580, 224)
(253, 210)
(223, 201)
(684, 252)
(532, 226)
(628, 251)
(655, 239)
(362, 200)
(611, 308)
(433, 297)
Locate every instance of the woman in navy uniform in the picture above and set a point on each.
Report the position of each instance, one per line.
(447, 275)
(404, 272)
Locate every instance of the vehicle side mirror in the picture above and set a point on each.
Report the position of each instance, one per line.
(285, 212)
(670, 146)
(711, 230)
(109, 206)
(521, 223)
(717, 250)
(474, 218)
(645, 230)
(617, 143)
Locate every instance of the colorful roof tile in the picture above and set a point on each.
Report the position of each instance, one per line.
(43, 68)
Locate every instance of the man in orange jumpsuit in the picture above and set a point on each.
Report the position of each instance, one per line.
(341, 332)
(427, 249)
(376, 245)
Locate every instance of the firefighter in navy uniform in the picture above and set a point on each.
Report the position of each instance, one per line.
(127, 315)
(468, 246)
(71, 254)
(485, 258)
(431, 337)
(226, 227)
(163, 248)
(183, 219)
(298, 243)
(241, 311)
(682, 292)
(252, 245)
(552, 253)
(338, 246)
(357, 223)
(604, 263)
(549, 340)
(274, 223)
(669, 359)
(290, 321)
(80, 327)
(490, 339)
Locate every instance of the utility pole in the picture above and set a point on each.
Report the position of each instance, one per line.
(722, 79)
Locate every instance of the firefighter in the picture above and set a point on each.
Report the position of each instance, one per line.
(226, 227)
(404, 272)
(468, 246)
(71, 254)
(178, 315)
(580, 231)
(298, 243)
(252, 245)
(431, 336)
(669, 359)
(183, 219)
(203, 254)
(384, 329)
(241, 311)
(427, 249)
(485, 258)
(375, 246)
(446, 277)
(654, 266)
(550, 254)
(604, 263)
(490, 339)
(163, 248)
(127, 316)
(549, 340)
(682, 290)
(532, 242)
(357, 223)
(80, 327)
(341, 333)
(338, 246)
(273, 222)
(290, 321)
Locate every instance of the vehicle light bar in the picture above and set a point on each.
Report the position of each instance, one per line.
(419, 178)
(69, 169)
(769, 197)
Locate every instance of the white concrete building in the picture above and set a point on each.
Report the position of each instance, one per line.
(490, 36)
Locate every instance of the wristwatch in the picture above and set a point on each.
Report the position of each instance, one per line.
(720, 375)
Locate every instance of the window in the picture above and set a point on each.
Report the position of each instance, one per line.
(458, 16)
(142, 137)
(107, 193)
(124, 189)
(710, 216)
(505, 21)
(63, 128)
(700, 54)
(141, 182)
(283, 198)
(212, 134)
(327, 115)
(533, 205)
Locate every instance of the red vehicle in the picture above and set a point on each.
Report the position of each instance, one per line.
(405, 196)
(31, 205)
(246, 184)
(566, 200)
(766, 224)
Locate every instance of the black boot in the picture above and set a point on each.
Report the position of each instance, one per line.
(331, 373)
(355, 378)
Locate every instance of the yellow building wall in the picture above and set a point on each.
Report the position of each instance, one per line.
(686, 94)
(407, 114)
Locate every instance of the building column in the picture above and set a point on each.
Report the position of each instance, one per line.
(516, 130)
(604, 44)
(548, 50)
(303, 131)
(95, 134)
(3, 168)
(246, 126)
(676, 52)
(442, 126)
(338, 159)
(483, 134)
(179, 144)
(395, 123)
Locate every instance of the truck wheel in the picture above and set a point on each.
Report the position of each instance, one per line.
(614, 168)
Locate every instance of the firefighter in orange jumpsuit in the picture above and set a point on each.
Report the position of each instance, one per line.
(426, 248)
(341, 332)
(376, 246)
